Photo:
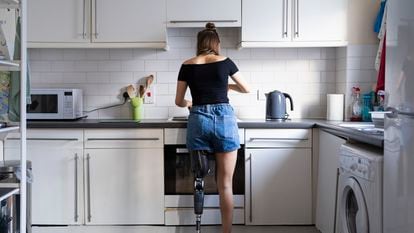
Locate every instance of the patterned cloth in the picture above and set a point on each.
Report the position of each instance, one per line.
(4, 95)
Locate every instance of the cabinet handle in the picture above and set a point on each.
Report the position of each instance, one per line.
(285, 18)
(123, 139)
(76, 187)
(46, 139)
(278, 139)
(203, 21)
(296, 18)
(96, 19)
(88, 180)
(84, 20)
(250, 188)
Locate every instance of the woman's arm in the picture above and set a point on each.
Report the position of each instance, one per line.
(179, 96)
(240, 85)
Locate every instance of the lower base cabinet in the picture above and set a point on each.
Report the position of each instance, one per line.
(278, 186)
(124, 186)
(329, 146)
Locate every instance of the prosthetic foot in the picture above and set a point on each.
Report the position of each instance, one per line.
(200, 168)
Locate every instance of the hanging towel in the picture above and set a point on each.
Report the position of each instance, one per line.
(380, 17)
(381, 38)
(14, 96)
(4, 95)
(381, 72)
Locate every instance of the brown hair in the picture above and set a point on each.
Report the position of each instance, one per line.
(208, 41)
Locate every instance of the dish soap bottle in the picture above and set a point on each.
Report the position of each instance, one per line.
(356, 106)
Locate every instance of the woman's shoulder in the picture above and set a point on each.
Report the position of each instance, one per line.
(205, 60)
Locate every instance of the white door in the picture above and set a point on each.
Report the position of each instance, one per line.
(57, 183)
(279, 186)
(319, 20)
(327, 181)
(124, 186)
(267, 21)
(128, 21)
(58, 21)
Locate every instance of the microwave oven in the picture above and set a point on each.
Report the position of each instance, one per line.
(55, 104)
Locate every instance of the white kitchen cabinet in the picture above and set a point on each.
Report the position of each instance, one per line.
(294, 23)
(97, 23)
(57, 187)
(58, 21)
(278, 177)
(124, 176)
(196, 13)
(329, 145)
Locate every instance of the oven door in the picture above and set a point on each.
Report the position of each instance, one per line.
(179, 188)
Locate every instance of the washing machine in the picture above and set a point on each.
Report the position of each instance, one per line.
(359, 203)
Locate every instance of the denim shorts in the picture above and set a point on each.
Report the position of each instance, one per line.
(212, 127)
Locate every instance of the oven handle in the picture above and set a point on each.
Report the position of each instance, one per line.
(181, 151)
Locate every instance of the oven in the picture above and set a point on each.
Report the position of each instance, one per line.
(179, 187)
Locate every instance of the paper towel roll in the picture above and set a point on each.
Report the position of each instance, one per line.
(335, 107)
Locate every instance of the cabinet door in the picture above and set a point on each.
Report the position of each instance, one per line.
(319, 20)
(58, 21)
(267, 21)
(57, 184)
(128, 21)
(279, 186)
(198, 12)
(327, 180)
(124, 186)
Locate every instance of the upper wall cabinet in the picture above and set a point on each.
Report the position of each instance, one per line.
(196, 13)
(96, 23)
(294, 23)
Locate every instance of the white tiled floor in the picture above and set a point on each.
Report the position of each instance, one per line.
(163, 229)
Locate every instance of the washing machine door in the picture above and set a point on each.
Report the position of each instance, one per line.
(353, 208)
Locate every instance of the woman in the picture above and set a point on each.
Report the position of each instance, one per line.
(212, 124)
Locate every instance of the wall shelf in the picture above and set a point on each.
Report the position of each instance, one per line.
(7, 130)
(7, 192)
(9, 65)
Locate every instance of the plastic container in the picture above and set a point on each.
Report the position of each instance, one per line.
(367, 107)
(356, 106)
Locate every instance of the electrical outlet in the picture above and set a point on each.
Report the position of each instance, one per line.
(149, 96)
(261, 94)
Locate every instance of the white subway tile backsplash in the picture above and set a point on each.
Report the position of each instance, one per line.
(74, 77)
(239, 54)
(309, 53)
(110, 66)
(51, 54)
(286, 53)
(167, 77)
(262, 53)
(121, 54)
(297, 65)
(73, 54)
(98, 77)
(97, 54)
(40, 66)
(121, 77)
(86, 66)
(154, 65)
(308, 74)
(133, 65)
(63, 66)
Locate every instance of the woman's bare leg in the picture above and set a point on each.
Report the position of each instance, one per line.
(226, 163)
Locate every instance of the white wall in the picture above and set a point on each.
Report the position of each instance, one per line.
(308, 74)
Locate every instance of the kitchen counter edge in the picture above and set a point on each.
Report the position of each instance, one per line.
(328, 126)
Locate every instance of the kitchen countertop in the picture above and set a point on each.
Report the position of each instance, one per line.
(329, 126)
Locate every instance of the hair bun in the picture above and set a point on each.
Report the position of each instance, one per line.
(210, 26)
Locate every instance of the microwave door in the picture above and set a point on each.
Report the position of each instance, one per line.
(46, 105)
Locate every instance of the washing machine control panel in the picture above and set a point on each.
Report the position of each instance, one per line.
(357, 166)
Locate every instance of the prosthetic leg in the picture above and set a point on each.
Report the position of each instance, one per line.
(200, 168)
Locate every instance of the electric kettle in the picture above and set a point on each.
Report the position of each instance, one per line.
(276, 105)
